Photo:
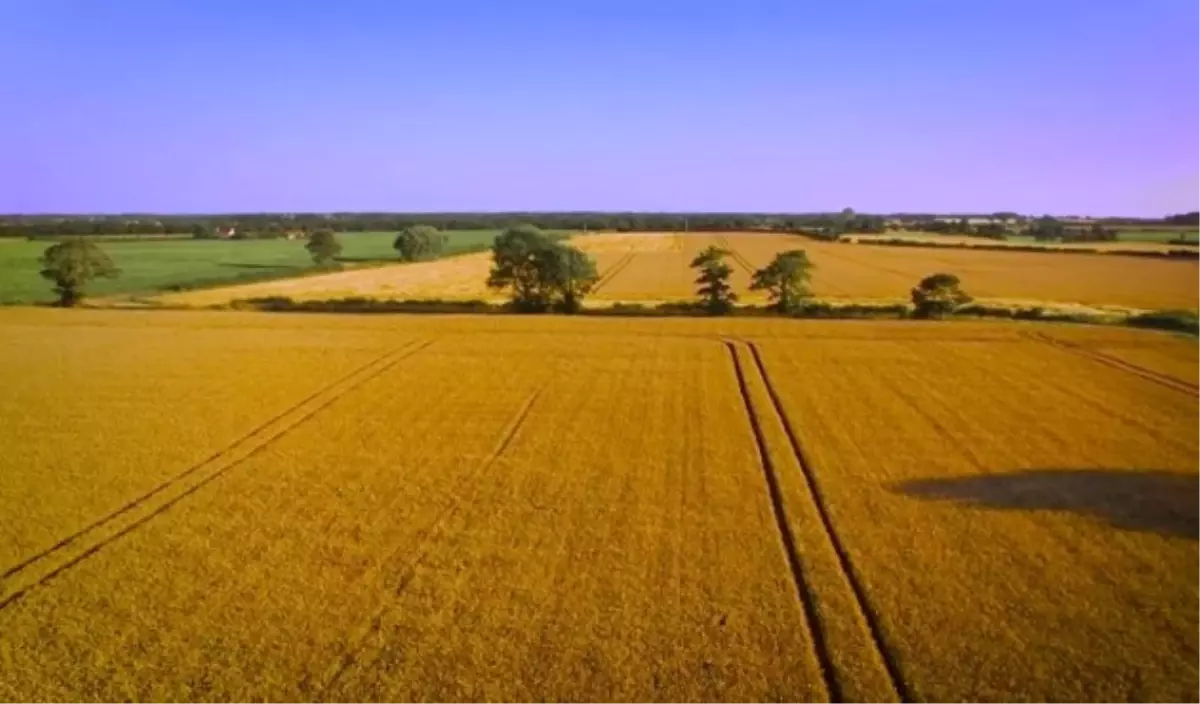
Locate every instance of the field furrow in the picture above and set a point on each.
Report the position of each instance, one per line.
(78, 546)
(596, 569)
(1116, 362)
(813, 489)
(1005, 564)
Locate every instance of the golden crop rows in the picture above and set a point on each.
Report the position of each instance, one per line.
(323, 507)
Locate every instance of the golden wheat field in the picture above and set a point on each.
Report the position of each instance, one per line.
(653, 267)
(219, 505)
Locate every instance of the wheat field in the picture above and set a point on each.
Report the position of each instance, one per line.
(653, 267)
(245, 506)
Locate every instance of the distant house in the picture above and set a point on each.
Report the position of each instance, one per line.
(226, 233)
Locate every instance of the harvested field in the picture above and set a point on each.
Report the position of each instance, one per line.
(262, 507)
(653, 267)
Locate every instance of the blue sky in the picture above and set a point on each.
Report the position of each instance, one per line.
(1041, 107)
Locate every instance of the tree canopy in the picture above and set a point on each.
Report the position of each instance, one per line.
(539, 272)
(716, 295)
(785, 279)
(419, 242)
(323, 246)
(938, 295)
(72, 264)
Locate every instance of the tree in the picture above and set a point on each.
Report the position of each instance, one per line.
(574, 274)
(785, 278)
(1046, 228)
(937, 295)
(202, 232)
(716, 295)
(323, 246)
(419, 242)
(540, 272)
(518, 264)
(1100, 233)
(71, 265)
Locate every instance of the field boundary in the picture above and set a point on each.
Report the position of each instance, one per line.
(1165, 380)
(814, 490)
(803, 591)
(418, 548)
(39, 569)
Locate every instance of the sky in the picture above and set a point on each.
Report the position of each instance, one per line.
(1034, 106)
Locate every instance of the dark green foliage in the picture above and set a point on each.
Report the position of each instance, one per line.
(419, 242)
(574, 276)
(1192, 218)
(938, 295)
(1046, 228)
(72, 264)
(203, 232)
(539, 272)
(786, 280)
(1176, 320)
(716, 295)
(323, 246)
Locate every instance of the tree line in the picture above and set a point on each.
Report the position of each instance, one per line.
(540, 272)
(543, 275)
(277, 225)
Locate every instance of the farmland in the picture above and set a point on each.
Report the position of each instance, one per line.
(651, 267)
(149, 266)
(221, 505)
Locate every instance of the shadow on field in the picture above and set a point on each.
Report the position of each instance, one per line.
(1154, 501)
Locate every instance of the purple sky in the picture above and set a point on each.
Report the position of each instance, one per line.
(1038, 106)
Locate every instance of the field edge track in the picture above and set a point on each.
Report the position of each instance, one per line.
(813, 623)
(813, 488)
(1165, 380)
(68, 552)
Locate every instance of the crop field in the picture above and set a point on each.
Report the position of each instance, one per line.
(1136, 240)
(653, 267)
(153, 265)
(221, 505)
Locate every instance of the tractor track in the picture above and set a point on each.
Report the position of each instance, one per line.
(741, 261)
(613, 271)
(38, 570)
(813, 488)
(1159, 378)
(803, 591)
(419, 549)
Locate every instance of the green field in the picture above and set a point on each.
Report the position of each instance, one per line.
(1160, 235)
(148, 266)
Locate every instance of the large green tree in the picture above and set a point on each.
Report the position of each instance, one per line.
(72, 264)
(539, 272)
(574, 275)
(419, 242)
(785, 279)
(323, 246)
(716, 295)
(938, 295)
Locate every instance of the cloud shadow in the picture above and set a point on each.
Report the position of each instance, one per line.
(1154, 501)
